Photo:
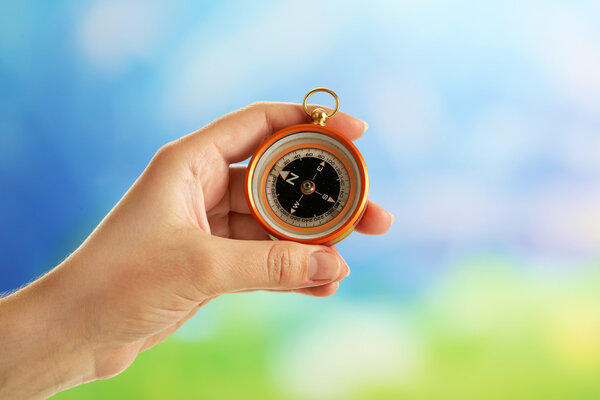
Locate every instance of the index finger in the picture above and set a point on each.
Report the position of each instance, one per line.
(236, 135)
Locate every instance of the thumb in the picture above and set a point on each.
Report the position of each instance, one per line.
(264, 264)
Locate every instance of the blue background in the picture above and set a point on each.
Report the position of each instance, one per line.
(483, 142)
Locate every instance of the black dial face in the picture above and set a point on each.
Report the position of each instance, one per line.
(313, 193)
(308, 187)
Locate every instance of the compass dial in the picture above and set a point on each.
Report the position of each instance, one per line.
(308, 185)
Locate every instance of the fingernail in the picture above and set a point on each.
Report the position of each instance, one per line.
(345, 264)
(323, 266)
(392, 218)
(365, 124)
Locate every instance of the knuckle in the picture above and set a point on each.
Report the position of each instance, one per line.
(258, 105)
(165, 153)
(279, 264)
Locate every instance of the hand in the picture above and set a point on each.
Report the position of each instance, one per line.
(181, 236)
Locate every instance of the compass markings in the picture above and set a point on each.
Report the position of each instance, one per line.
(287, 201)
(284, 174)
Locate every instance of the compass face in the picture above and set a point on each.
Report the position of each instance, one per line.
(307, 185)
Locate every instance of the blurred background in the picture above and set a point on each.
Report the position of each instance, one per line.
(484, 141)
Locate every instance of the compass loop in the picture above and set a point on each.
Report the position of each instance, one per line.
(319, 115)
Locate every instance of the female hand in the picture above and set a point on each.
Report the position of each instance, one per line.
(181, 236)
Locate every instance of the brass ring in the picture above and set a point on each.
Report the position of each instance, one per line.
(331, 92)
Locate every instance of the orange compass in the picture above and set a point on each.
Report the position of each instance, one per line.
(308, 183)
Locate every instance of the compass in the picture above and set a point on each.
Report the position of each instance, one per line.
(308, 183)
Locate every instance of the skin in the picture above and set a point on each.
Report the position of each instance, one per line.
(181, 236)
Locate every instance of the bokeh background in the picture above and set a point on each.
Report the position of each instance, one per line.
(484, 141)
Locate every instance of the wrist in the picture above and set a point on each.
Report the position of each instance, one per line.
(42, 342)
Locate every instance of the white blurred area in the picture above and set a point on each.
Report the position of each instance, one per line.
(113, 34)
(353, 350)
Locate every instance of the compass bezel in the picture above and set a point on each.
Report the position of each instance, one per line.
(351, 216)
